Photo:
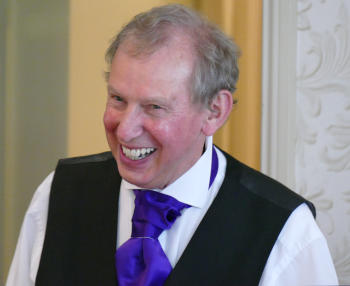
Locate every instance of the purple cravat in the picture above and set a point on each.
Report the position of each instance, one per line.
(141, 261)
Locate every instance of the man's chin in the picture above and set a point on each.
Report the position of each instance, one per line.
(135, 178)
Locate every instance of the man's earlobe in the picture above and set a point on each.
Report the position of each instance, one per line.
(220, 109)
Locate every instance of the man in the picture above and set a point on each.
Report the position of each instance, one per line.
(169, 90)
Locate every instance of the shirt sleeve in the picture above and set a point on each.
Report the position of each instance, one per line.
(300, 255)
(26, 260)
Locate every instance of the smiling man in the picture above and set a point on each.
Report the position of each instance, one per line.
(154, 130)
(165, 206)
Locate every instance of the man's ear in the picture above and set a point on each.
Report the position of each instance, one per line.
(220, 109)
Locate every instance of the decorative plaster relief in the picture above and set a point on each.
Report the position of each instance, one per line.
(323, 120)
(324, 205)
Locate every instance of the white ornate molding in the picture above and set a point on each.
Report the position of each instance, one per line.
(306, 110)
(278, 90)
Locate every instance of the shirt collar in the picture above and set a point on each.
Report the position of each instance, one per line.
(190, 188)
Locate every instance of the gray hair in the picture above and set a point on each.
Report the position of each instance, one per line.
(216, 62)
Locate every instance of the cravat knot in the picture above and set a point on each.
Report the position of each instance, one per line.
(154, 212)
(141, 260)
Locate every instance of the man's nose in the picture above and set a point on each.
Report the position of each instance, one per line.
(130, 125)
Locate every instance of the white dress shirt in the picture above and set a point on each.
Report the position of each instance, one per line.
(300, 255)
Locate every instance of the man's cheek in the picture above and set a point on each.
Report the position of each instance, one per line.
(109, 121)
(162, 131)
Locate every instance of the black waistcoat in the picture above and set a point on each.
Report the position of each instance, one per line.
(230, 246)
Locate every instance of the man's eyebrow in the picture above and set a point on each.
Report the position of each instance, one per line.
(112, 90)
(157, 100)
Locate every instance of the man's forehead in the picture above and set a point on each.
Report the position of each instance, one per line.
(172, 60)
(176, 42)
(167, 71)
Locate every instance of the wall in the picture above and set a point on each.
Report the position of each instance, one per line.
(323, 120)
(306, 111)
(34, 104)
(3, 8)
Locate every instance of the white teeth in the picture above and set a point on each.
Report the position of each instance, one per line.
(137, 154)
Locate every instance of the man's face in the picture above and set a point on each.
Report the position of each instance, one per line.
(152, 127)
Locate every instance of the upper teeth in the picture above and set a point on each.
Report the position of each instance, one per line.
(137, 154)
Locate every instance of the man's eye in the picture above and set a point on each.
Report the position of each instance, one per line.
(117, 98)
(155, 106)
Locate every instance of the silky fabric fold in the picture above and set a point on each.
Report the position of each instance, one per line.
(141, 260)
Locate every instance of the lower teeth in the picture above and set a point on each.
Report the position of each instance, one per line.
(138, 158)
(141, 156)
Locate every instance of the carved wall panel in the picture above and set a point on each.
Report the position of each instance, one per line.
(322, 167)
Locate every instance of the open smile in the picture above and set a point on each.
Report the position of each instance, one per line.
(137, 153)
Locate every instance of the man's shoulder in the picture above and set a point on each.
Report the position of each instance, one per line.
(263, 186)
(85, 170)
(252, 179)
(89, 167)
(93, 158)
